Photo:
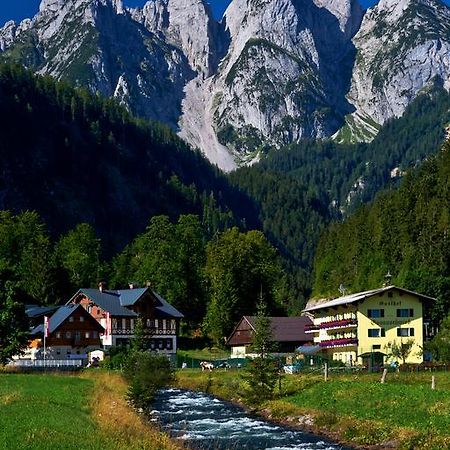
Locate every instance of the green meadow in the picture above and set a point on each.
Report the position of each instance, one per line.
(356, 409)
(85, 412)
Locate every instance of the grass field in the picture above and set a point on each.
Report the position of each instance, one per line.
(403, 413)
(87, 412)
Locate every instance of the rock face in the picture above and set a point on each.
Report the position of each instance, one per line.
(402, 47)
(271, 73)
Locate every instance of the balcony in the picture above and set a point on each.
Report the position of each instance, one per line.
(342, 342)
(336, 324)
(147, 331)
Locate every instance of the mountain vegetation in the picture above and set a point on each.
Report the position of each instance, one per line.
(405, 232)
(75, 157)
(302, 188)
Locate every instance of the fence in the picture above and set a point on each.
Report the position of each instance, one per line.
(47, 364)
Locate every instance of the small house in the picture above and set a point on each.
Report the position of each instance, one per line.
(288, 334)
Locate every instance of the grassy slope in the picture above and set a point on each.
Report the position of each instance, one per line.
(357, 409)
(51, 412)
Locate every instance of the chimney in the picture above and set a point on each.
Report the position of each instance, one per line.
(101, 286)
(132, 285)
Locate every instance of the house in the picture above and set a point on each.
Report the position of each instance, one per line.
(118, 311)
(72, 333)
(361, 328)
(288, 333)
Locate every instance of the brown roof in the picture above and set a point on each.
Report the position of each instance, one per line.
(284, 329)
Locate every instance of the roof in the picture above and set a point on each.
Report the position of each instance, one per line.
(309, 349)
(314, 305)
(59, 317)
(284, 329)
(108, 300)
(167, 308)
(117, 302)
(33, 311)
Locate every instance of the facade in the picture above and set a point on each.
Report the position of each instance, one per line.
(118, 311)
(288, 332)
(72, 334)
(362, 328)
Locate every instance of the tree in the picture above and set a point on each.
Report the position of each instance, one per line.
(440, 344)
(239, 268)
(78, 252)
(400, 350)
(262, 372)
(13, 323)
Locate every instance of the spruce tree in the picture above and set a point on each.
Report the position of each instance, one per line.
(262, 372)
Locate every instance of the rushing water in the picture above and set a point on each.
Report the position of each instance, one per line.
(207, 423)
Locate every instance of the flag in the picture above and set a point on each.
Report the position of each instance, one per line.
(108, 325)
(46, 326)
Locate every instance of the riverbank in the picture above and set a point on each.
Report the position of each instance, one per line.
(80, 412)
(354, 409)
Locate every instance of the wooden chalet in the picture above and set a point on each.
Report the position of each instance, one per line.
(288, 333)
(118, 311)
(72, 333)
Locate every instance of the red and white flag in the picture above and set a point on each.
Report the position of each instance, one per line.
(108, 325)
(46, 326)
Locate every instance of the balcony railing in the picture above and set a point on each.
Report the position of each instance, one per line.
(147, 331)
(343, 342)
(332, 324)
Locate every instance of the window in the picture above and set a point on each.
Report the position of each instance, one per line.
(87, 334)
(95, 334)
(405, 312)
(376, 332)
(68, 334)
(376, 347)
(169, 344)
(405, 332)
(58, 335)
(375, 313)
(71, 319)
(81, 319)
(77, 335)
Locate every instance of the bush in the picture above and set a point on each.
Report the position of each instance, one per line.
(146, 373)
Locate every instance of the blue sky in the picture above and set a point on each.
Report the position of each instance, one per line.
(20, 9)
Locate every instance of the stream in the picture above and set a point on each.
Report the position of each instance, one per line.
(204, 422)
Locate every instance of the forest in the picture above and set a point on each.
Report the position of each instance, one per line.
(89, 192)
(405, 232)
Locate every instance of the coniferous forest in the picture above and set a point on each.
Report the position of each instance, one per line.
(89, 192)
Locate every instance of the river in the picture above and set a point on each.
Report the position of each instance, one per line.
(207, 423)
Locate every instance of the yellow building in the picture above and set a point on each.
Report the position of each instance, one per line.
(362, 328)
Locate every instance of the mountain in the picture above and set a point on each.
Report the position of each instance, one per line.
(402, 47)
(272, 72)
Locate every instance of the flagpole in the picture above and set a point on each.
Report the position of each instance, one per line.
(45, 351)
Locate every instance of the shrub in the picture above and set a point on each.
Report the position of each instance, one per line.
(146, 373)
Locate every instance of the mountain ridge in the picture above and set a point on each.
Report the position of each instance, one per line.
(266, 76)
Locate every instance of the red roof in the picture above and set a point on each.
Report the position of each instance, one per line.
(284, 329)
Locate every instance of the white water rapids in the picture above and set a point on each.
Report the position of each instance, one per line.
(206, 423)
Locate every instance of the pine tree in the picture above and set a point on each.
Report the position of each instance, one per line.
(262, 372)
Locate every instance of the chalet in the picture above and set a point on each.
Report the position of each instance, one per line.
(72, 333)
(288, 333)
(118, 311)
(361, 328)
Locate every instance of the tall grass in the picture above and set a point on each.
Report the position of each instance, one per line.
(87, 412)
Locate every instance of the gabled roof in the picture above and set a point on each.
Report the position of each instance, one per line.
(167, 308)
(33, 311)
(108, 301)
(284, 329)
(117, 302)
(314, 305)
(58, 318)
